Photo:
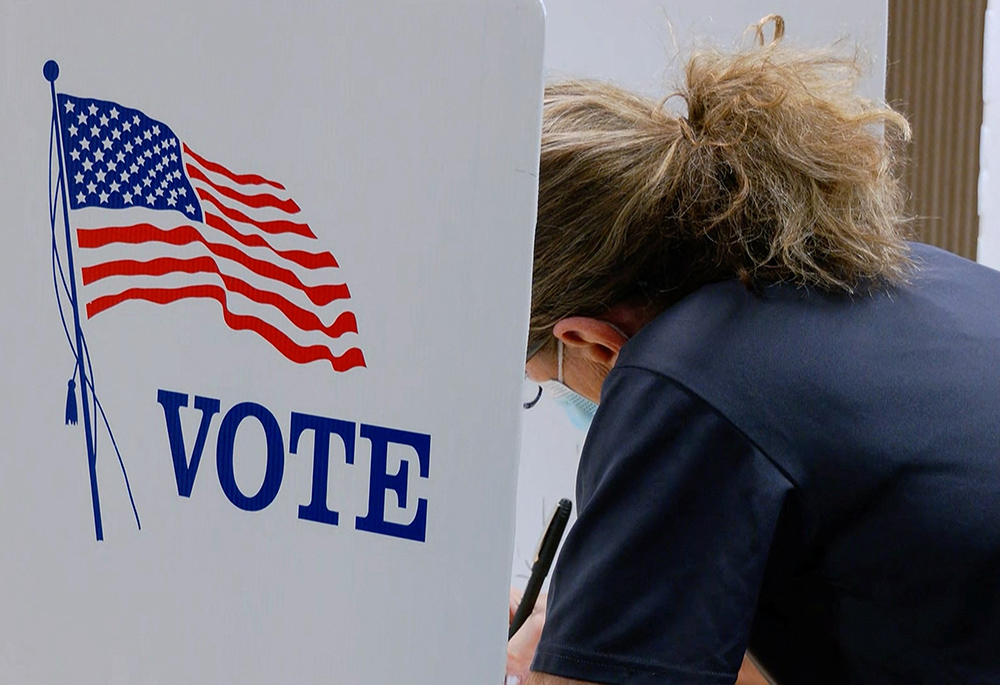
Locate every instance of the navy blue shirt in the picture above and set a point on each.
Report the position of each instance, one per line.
(814, 476)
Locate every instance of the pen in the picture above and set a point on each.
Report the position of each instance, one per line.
(543, 562)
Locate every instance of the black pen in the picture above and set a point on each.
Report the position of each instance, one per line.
(543, 562)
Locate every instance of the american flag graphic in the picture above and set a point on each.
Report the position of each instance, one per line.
(196, 230)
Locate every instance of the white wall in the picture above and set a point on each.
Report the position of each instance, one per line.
(989, 143)
(641, 44)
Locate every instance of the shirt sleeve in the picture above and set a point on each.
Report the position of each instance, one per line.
(658, 579)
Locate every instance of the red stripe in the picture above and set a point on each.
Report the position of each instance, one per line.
(238, 322)
(243, 179)
(185, 235)
(255, 201)
(319, 295)
(272, 227)
(309, 260)
(302, 318)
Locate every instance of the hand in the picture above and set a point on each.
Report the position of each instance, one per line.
(521, 648)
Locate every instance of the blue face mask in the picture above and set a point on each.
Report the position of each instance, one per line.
(578, 408)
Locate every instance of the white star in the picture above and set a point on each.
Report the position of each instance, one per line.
(127, 197)
(147, 134)
(87, 164)
(94, 130)
(171, 202)
(78, 178)
(173, 192)
(120, 156)
(114, 112)
(156, 149)
(116, 134)
(128, 148)
(159, 166)
(137, 189)
(135, 120)
(159, 192)
(114, 186)
(165, 161)
(81, 118)
(150, 199)
(156, 130)
(75, 154)
(73, 130)
(137, 140)
(100, 176)
(99, 155)
(91, 187)
(164, 183)
(126, 126)
(147, 182)
(104, 197)
(134, 169)
(152, 173)
(189, 209)
(177, 174)
(81, 198)
(104, 120)
(183, 191)
(125, 175)
(70, 106)
(112, 166)
(106, 143)
(148, 153)
(141, 160)
(92, 109)
(85, 144)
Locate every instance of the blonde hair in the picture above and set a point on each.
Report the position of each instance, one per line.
(778, 172)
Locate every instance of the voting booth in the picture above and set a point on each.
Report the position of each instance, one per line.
(266, 286)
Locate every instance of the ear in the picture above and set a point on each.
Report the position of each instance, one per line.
(594, 339)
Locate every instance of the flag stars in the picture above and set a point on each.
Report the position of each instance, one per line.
(78, 178)
(137, 189)
(116, 134)
(156, 149)
(75, 155)
(114, 187)
(114, 112)
(150, 199)
(147, 181)
(137, 140)
(159, 192)
(134, 169)
(136, 120)
(81, 118)
(147, 134)
(104, 120)
(126, 126)
(189, 209)
(112, 166)
(104, 197)
(128, 148)
(85, 144)
(81, 198)
(156, 129)
(127, 198)
(99, 155)
(171, 202)
(148, 153)
(87, 164)
(95, 131)
(92, 108)
(120, 156)
(69, 105)
(100, 176)
(73, 130)
(125, 176)
(91, 187)
(107, 143)
(182, 191)
(141, 160)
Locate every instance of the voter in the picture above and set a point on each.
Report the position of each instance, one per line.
(795, 447)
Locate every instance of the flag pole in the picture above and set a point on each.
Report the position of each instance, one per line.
(51, 72)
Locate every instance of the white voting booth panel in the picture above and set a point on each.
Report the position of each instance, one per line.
(642, 45)
(297, 276)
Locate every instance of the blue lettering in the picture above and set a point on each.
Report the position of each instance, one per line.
(185, 470)
(380, 481)
(275, 456)
(317, 509)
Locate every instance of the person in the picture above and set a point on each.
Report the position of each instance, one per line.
(795, 447)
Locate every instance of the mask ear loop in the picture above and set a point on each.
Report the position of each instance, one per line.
(559, 356)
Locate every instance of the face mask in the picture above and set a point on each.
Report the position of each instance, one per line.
(578, 408)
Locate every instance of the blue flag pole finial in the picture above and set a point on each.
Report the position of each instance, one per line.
(51, 71)
(71, 417)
